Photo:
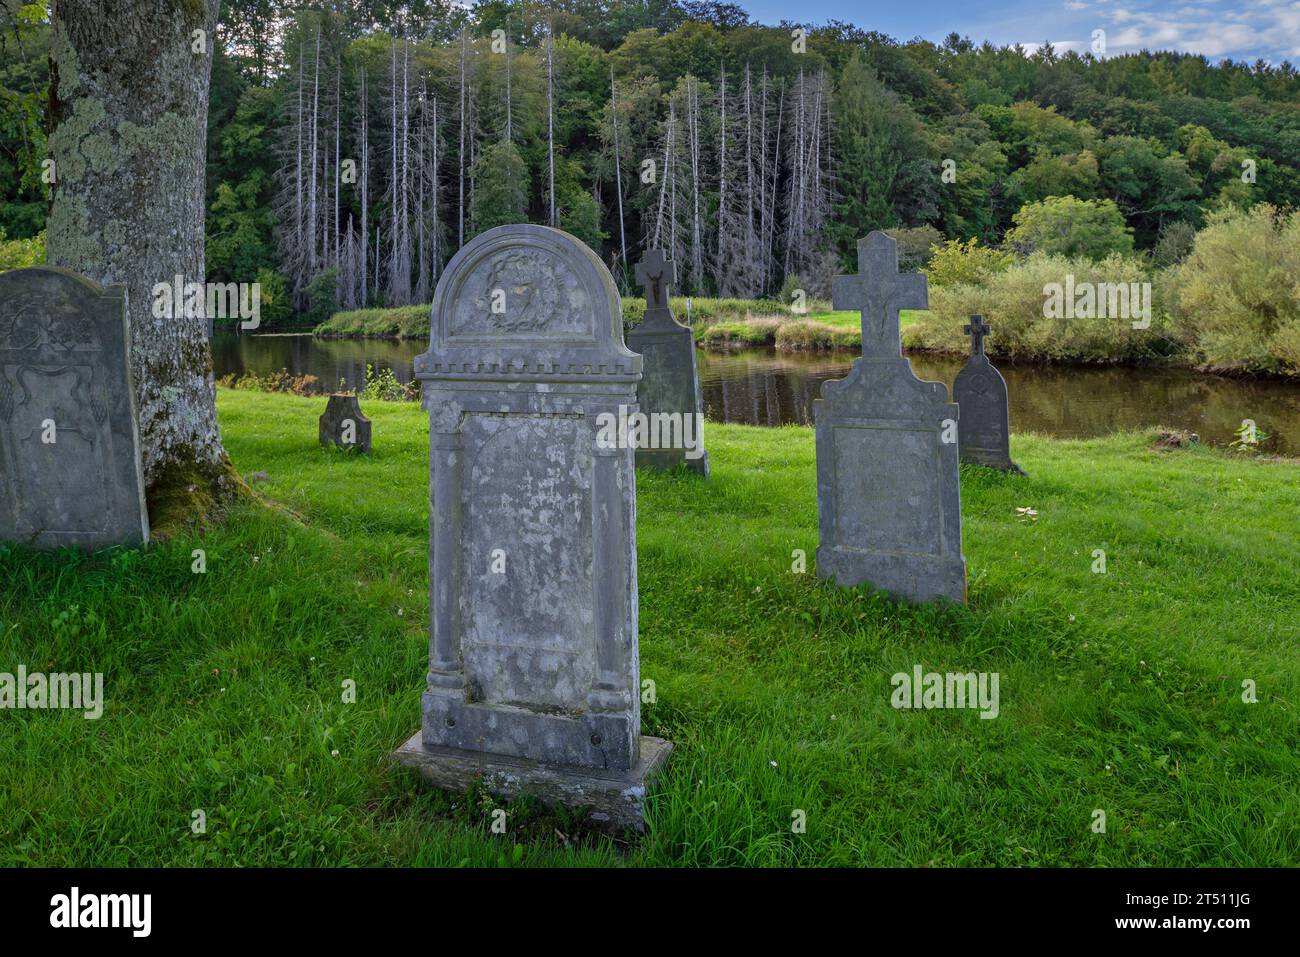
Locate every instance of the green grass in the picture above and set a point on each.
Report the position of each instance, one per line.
(405, 322)
(1119, 691)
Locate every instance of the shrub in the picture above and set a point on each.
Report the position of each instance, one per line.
(1175, 244)
(281, 381)
(1235, 300)
(792, 282)
(1012, 301)
(22, 253)
(385, 387)
(955, 263)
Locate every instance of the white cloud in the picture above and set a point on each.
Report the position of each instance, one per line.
(1061, 46)
(1248, 28)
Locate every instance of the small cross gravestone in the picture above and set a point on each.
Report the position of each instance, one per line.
(888, 494)
(980, 390)
(672, 410)
(70, 465)
(344, 425)
(534, 676)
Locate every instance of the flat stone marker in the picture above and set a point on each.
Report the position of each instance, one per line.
(70, 471)
(344, 425)
(669, 393)
(888, 497)
(534, 676)
(985, 434)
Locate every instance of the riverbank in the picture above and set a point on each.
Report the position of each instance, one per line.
(730, 325)
(1119, 692)
(720, 324)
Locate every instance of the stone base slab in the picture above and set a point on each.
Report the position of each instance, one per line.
(615, 798)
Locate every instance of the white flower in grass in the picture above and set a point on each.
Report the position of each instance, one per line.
(334, 753)
(773, 763)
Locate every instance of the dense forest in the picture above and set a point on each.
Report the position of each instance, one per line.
(354, 147)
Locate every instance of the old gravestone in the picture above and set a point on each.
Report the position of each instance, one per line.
(533, 681)
(981, 392)
(70, 470)
(344, 425)
(888, 498)
(669, 393)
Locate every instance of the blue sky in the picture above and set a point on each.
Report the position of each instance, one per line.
(1239, 29)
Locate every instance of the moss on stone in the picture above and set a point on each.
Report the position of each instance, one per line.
(186, 497)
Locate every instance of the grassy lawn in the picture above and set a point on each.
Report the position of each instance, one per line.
(1119, 691)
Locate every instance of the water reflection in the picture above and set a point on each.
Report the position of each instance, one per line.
(764, 387)
(769, 388)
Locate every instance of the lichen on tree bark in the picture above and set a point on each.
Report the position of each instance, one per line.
(128, 107)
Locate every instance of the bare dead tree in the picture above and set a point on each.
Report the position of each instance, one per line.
(338, 145)
(464, 54)
(364, 135)
(697, 232)
(725, 226)
(550, 118)
(315, 156)
(422, 288)
(509, 137)
(618, 171)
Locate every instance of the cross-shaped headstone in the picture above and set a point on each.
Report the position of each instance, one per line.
(977, 329)
(879, 291)
(658, 275)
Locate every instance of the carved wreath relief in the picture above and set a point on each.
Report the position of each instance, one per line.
(522, 292)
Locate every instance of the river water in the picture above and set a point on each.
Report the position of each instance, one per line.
(765, 387)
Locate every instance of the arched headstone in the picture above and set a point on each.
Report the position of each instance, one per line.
(533, 678)
(980, 390)
(70, 470)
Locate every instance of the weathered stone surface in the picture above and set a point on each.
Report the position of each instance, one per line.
(985, 434)
(344, 425)
(69, 440)
(533, 637)
(888, 498)
(669, 394)
(615, 798)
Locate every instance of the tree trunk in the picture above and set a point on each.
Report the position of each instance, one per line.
(128, 111)
(553, 219)
(618, 175)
